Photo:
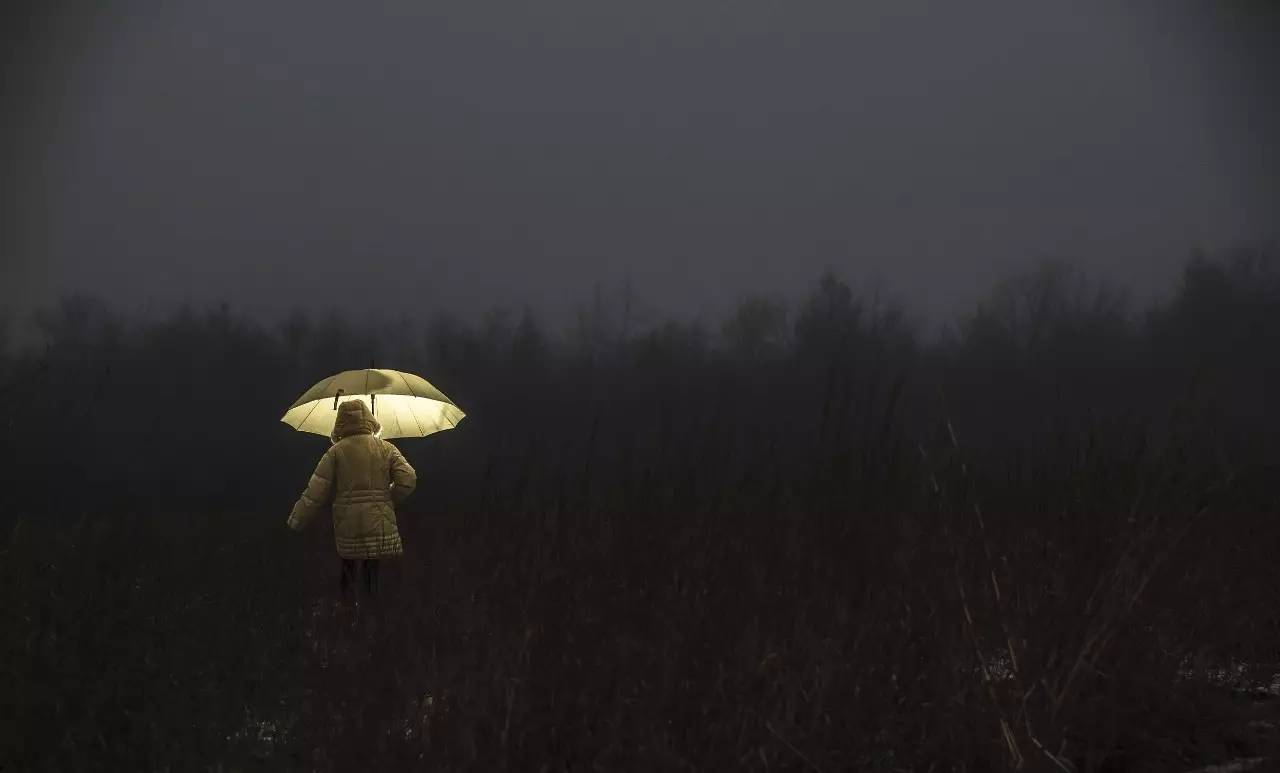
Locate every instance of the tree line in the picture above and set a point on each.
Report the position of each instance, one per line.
(834, 393)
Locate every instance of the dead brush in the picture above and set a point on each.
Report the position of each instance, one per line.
(1044, 647)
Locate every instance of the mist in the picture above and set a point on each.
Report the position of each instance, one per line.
(875, 386)
(454, 160)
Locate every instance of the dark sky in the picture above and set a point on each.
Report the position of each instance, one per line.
(417, 156)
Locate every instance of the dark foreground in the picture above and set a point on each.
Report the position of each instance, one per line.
(811, 543)
(725, 638)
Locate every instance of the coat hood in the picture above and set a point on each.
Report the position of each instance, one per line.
(354, 418)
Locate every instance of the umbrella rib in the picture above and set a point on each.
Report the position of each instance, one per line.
(407, 385)
(411, 411)
(315, 403)
(400, 419)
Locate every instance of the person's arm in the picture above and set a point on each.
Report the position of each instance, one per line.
(403, 478)
(316, 495)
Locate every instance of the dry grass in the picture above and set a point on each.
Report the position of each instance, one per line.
(646, 556)
(557, 632)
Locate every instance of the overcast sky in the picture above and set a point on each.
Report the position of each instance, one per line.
(418, 156)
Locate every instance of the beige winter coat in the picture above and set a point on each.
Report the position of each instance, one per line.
(362, 477)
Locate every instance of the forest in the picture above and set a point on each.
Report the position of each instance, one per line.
(809, 536)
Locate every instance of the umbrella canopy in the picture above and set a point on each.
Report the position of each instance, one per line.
(404, 404)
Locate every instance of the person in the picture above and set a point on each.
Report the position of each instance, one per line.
(364, 477)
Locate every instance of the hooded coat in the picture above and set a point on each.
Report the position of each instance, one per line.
(363, 477)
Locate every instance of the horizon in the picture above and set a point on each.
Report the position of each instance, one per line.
(642, 317)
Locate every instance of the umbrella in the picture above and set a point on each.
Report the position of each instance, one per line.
(404, 404)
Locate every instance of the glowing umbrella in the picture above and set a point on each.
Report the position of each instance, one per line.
(404, 404)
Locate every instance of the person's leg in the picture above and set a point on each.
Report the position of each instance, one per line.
(347, 577)
(371, 577)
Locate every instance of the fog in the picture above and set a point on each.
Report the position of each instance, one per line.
(416, 160)
(858, 386)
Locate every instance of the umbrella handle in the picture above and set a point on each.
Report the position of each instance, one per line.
(336, 396)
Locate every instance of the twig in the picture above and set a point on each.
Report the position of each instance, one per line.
(789, 745)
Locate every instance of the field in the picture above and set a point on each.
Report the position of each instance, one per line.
(579, 637)
(672, 560)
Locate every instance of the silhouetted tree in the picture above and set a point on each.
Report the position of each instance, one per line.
(529, 347)
(672, 345)
(756, 328)
(829, 320)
